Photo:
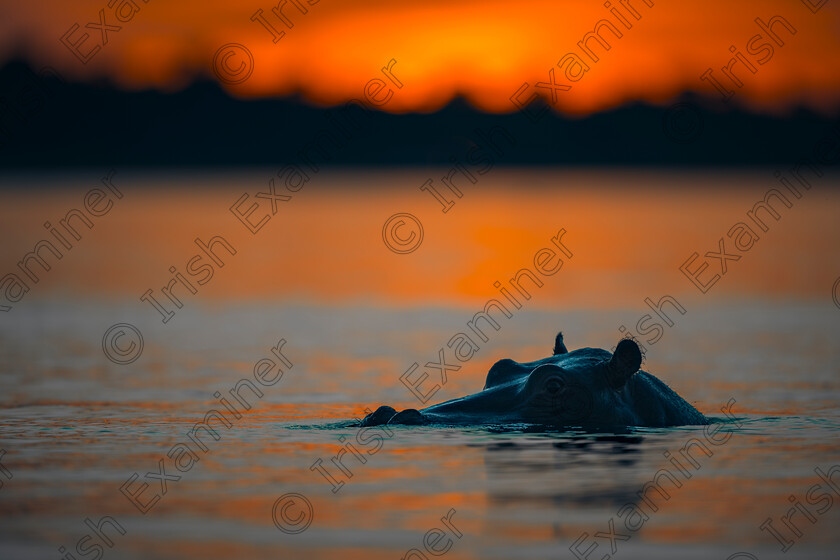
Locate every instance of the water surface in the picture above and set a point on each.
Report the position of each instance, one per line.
(76, 426)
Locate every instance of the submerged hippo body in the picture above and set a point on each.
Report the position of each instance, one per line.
(589, 388)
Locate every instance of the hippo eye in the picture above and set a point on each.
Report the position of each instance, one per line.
(554, 385)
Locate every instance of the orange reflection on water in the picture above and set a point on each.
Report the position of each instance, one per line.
(629, 232)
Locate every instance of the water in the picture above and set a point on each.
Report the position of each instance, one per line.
(76, 426)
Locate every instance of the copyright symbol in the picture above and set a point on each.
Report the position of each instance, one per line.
(682, 123)
(395, 241)
(835, 292)
(286, 522)
(122, 352)
(227, 71)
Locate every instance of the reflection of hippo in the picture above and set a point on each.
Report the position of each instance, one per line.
(589, 387)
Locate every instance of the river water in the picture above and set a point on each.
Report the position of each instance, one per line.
(76, 426)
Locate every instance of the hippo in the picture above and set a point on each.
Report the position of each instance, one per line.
(588, 388)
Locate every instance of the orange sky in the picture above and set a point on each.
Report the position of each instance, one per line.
(482, 49)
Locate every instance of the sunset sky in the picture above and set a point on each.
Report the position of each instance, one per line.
(483, 50)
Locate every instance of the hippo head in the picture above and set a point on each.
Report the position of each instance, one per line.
(584, 387)
(580, 388)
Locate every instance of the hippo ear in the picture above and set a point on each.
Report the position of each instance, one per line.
(625, 362)
(559, 347)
